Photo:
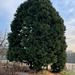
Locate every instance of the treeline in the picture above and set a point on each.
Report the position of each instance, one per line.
(70, 57)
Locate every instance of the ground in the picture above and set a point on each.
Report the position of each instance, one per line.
(7, 69)
(42, 72)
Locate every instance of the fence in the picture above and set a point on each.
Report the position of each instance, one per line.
(70, 66)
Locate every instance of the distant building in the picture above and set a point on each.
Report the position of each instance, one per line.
(70, 57)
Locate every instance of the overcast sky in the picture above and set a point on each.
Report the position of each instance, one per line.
(66, 9)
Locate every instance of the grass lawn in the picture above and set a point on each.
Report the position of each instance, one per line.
(68, 72)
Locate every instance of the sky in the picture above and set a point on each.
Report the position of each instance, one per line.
(66, 9)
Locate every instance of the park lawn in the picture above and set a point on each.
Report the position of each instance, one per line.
(71, 72)
(68, 72)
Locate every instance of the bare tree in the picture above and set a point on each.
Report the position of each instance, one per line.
(3, 44)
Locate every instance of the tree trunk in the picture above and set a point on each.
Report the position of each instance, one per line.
(47, 67)
(31, 65)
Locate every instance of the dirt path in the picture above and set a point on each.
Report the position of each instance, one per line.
(21, 73)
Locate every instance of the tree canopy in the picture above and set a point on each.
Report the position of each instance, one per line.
(37, 35)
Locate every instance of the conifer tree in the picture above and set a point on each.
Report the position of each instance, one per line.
(37, 35)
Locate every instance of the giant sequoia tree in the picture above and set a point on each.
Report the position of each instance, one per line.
(37, 36)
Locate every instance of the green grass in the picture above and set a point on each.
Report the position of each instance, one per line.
(68, 72)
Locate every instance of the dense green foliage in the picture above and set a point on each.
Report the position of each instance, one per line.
(60, 64)
(37, 35)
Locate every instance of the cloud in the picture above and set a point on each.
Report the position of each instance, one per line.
(7, 11)
(70, 22)
(65, 8)
(71, 10)
(10, 6)
(69, 2)
(70, 33)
